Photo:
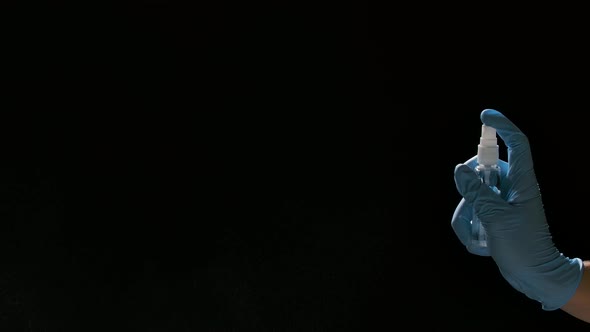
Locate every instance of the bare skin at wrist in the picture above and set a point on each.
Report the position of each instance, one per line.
(579, 305)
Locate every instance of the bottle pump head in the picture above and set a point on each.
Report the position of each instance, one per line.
(487, 150)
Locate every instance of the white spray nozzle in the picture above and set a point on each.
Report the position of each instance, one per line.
(487, 150)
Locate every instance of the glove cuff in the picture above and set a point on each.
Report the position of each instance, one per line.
(552, 284)
(562, 283)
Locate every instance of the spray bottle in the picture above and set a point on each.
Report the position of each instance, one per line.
(488, 170)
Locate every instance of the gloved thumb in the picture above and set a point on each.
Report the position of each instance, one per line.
(473, 189)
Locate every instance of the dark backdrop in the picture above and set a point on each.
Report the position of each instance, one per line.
(222, 168)
(206, 168)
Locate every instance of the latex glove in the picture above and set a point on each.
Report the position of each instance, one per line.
(519, 239)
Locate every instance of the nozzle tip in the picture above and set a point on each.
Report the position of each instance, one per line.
(488, 132)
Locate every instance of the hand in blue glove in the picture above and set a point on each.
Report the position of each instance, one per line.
(518, 235)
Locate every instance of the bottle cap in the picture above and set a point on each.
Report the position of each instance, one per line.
(487, 150)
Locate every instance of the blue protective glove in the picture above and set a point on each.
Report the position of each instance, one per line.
(519, 239)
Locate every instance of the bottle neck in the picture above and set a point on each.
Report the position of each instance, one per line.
(489, 174)
(487, 155)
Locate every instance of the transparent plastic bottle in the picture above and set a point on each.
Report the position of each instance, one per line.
(488, 170)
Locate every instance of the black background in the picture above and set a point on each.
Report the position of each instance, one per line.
(223, 168)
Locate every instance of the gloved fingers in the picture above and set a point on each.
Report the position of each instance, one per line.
(470, 186)
(471, 162)
(503, 168)
(519, 154)
(522, 182)
(461, 221)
